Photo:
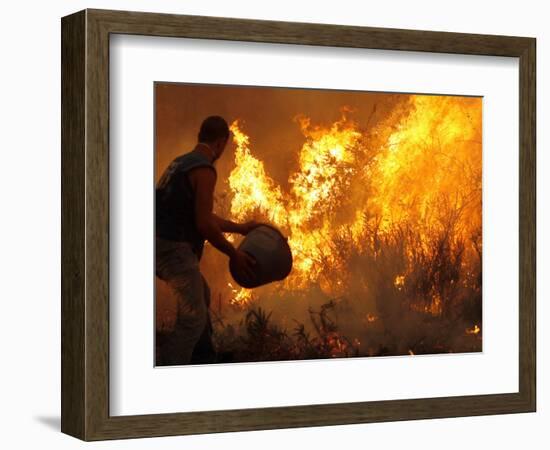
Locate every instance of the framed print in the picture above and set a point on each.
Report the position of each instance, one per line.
(271, 224)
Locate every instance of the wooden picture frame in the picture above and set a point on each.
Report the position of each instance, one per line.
(85, 224)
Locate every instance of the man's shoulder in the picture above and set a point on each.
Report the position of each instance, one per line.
(192, 165)
(183, 158)
(203, 174)
(192, 159)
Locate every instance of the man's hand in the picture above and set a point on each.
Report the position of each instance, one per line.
(244, 264)
(247, 227)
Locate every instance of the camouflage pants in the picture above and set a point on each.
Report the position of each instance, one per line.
(190, 341)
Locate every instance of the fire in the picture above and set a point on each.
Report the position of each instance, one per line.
(371, 318)
(252, 188)
(399, 281)
(434, 306)
(419, 167)
(431, 164)
(241, 296)
(325, 173)
(326, 169)
(474, 330)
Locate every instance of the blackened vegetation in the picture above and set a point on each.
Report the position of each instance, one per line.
(258, 338)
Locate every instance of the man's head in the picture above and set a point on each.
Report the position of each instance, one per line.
(214, 131)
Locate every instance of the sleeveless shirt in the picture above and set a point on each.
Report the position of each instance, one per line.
(175, 202)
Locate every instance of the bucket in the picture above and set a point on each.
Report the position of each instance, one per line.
(270, 249)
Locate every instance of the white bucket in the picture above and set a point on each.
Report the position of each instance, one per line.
(270, 249)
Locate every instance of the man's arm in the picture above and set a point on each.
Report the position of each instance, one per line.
(204, 181)
(227, 226)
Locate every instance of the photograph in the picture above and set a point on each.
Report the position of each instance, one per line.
(302, 224)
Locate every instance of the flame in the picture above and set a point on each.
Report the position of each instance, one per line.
(325, 171)
(399, 281)
(474, 330)
(240, 296)
(420, 166)
(371, 318)
(434, 306)
(433, 158)
(252, 189)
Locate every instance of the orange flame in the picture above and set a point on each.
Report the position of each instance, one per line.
(371, 318)
(241, 296)
(252, 188)
(422, 167)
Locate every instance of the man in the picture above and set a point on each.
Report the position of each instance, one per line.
(184, 220)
